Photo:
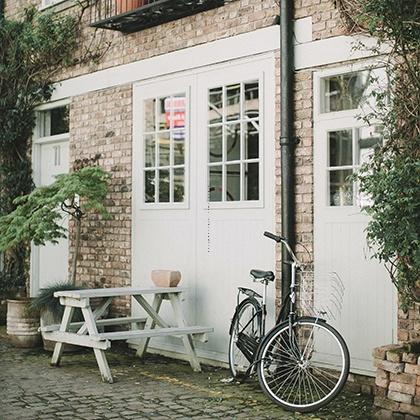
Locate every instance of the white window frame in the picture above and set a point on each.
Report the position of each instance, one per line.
(241, 161)
(325, 122)
(38, 139)
(46, 4)
(142, 92)
(253, 72)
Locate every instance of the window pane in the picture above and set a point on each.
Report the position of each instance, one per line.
(164, 143)
(60, 120)
(341, 189)
(370, 138)
(251, 140)
(215, 105)
(251, 105)
(179, 185)
(344, 91)
(215, 144)
(251, 187)
(149, 186)
(341, 148)
(177, 109)
(233, 100)
(164, 113)
(215, 183)
(149, 115)
(233, 182)
(150, 150)
(233, 141)
(178, 138)
(164, 186)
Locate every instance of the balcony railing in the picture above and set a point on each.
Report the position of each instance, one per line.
(134, 15)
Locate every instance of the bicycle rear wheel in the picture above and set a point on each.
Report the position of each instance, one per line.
(303, 368)
(245, 334)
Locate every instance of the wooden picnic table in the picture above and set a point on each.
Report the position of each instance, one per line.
(86, 333)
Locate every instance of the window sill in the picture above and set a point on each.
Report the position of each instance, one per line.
(57, 6)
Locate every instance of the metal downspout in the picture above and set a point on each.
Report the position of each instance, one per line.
(287, 140)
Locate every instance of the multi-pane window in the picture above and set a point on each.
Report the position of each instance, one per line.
(347, 150)
(164, 148)
(345, 91)
(233, 134)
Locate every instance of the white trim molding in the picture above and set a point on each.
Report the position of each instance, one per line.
(307, 54)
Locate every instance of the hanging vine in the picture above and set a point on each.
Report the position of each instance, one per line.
(392, 176)
(33, 50)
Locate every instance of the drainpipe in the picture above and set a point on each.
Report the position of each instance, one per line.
(287, 140)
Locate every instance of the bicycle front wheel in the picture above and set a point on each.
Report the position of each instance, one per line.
(245, 333)
(304, 367)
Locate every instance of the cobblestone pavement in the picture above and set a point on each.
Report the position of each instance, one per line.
(155, 387)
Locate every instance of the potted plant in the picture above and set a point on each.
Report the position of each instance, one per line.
(37, 218)
(123, 6)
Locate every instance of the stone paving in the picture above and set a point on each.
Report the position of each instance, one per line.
(153, 388)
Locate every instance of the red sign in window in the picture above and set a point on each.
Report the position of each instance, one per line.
(175, 111)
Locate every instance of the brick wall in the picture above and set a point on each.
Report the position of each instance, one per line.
(397, 392)
(101, 123)
(409, 324)
(236, 17)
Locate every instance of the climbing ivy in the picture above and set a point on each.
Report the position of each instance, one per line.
(392, 175)
(32, 50)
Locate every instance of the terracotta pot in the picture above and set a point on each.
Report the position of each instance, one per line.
(166, 278)
(122, 6)
(22, 326)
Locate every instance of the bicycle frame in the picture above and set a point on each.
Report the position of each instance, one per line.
(288, 304)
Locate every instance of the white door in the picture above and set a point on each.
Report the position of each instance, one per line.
(49, 263)
(203, 183)
(341, 144)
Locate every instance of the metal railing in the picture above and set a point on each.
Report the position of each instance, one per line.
(134, 15)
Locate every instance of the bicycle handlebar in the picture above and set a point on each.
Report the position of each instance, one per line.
(283, 240)
(274, 237)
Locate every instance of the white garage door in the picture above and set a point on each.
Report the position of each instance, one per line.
(203, 188)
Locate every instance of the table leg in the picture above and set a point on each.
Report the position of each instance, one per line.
(186, 338)
(99, 354)
(150, 324)
(97, 313)
(65, 322)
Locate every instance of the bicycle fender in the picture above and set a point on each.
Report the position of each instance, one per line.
(237, 310)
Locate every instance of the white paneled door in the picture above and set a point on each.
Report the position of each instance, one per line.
(49, 263)
(342, 142)
(203, 188)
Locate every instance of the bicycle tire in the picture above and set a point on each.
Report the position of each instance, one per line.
(295, 377)
(243, 344)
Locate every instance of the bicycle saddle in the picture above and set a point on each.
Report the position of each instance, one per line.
(260, 274)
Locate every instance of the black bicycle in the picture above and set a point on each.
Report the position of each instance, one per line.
(303, 362)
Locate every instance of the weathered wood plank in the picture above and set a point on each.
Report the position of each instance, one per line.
(65, 322)
(97, 313)
(99, 323)
(117, 291)
(74, 302)
(157, 332)
(187, 339)
(99, 354)
(150, 324)
(77, 340)
(151, 311)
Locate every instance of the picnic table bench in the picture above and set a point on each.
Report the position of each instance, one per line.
(86, 333)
